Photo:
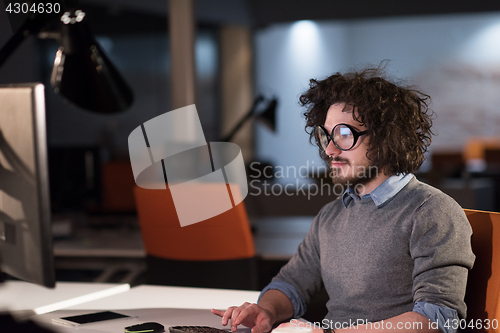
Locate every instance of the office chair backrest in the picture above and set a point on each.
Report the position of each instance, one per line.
(223, 237)
(483, 285)
(214, 253)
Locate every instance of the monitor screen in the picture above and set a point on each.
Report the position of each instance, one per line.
(25, 225)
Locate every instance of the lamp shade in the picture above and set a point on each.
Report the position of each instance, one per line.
(83, 74)
(268, 116)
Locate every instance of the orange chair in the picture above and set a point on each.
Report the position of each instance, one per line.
(475, 147)
(483, 285)
(216, 253)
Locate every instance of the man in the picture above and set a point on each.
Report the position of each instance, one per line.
(393, 253)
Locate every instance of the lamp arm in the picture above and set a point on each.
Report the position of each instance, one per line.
(33, 25)
(247, 116)
(13, 44)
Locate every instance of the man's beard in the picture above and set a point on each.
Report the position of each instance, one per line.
(355, 177)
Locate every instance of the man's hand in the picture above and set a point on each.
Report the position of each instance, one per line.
(249, 315)
(274, 307)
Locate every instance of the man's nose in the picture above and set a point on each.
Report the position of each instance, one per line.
(332, 150)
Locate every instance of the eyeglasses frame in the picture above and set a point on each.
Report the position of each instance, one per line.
(354, 131)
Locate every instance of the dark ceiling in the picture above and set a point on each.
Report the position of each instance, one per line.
(133, 16)
(270, 11)
(261, 13)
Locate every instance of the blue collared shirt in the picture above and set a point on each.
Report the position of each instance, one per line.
(383, 193)
(380, 196)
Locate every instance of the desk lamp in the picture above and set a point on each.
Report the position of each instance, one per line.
(82, 73)
(268, 117)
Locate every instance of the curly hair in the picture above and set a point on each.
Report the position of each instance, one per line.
(397, 118)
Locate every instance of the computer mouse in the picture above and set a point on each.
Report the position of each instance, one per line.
(149, 327)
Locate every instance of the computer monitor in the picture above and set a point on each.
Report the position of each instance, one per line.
(25, 224)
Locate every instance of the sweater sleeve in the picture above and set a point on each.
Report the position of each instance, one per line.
(440, 245)
(303, 271)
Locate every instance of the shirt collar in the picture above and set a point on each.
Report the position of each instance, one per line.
(383, 193)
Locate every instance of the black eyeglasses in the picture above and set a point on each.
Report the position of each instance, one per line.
(344, 136)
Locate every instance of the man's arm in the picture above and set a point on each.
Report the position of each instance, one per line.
(273, 307)
(408, 322)
(278, 304)
(440, 245)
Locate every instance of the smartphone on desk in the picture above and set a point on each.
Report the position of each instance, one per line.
(90, 318)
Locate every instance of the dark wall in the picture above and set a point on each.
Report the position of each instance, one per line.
(138, 45)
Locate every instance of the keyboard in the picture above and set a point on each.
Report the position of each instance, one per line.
(195, 329)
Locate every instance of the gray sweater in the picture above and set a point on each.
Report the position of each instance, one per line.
(375, 263)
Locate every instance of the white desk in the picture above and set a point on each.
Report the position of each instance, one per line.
(148, 296)
(165, 316)
(22, 296)
(169, 306)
